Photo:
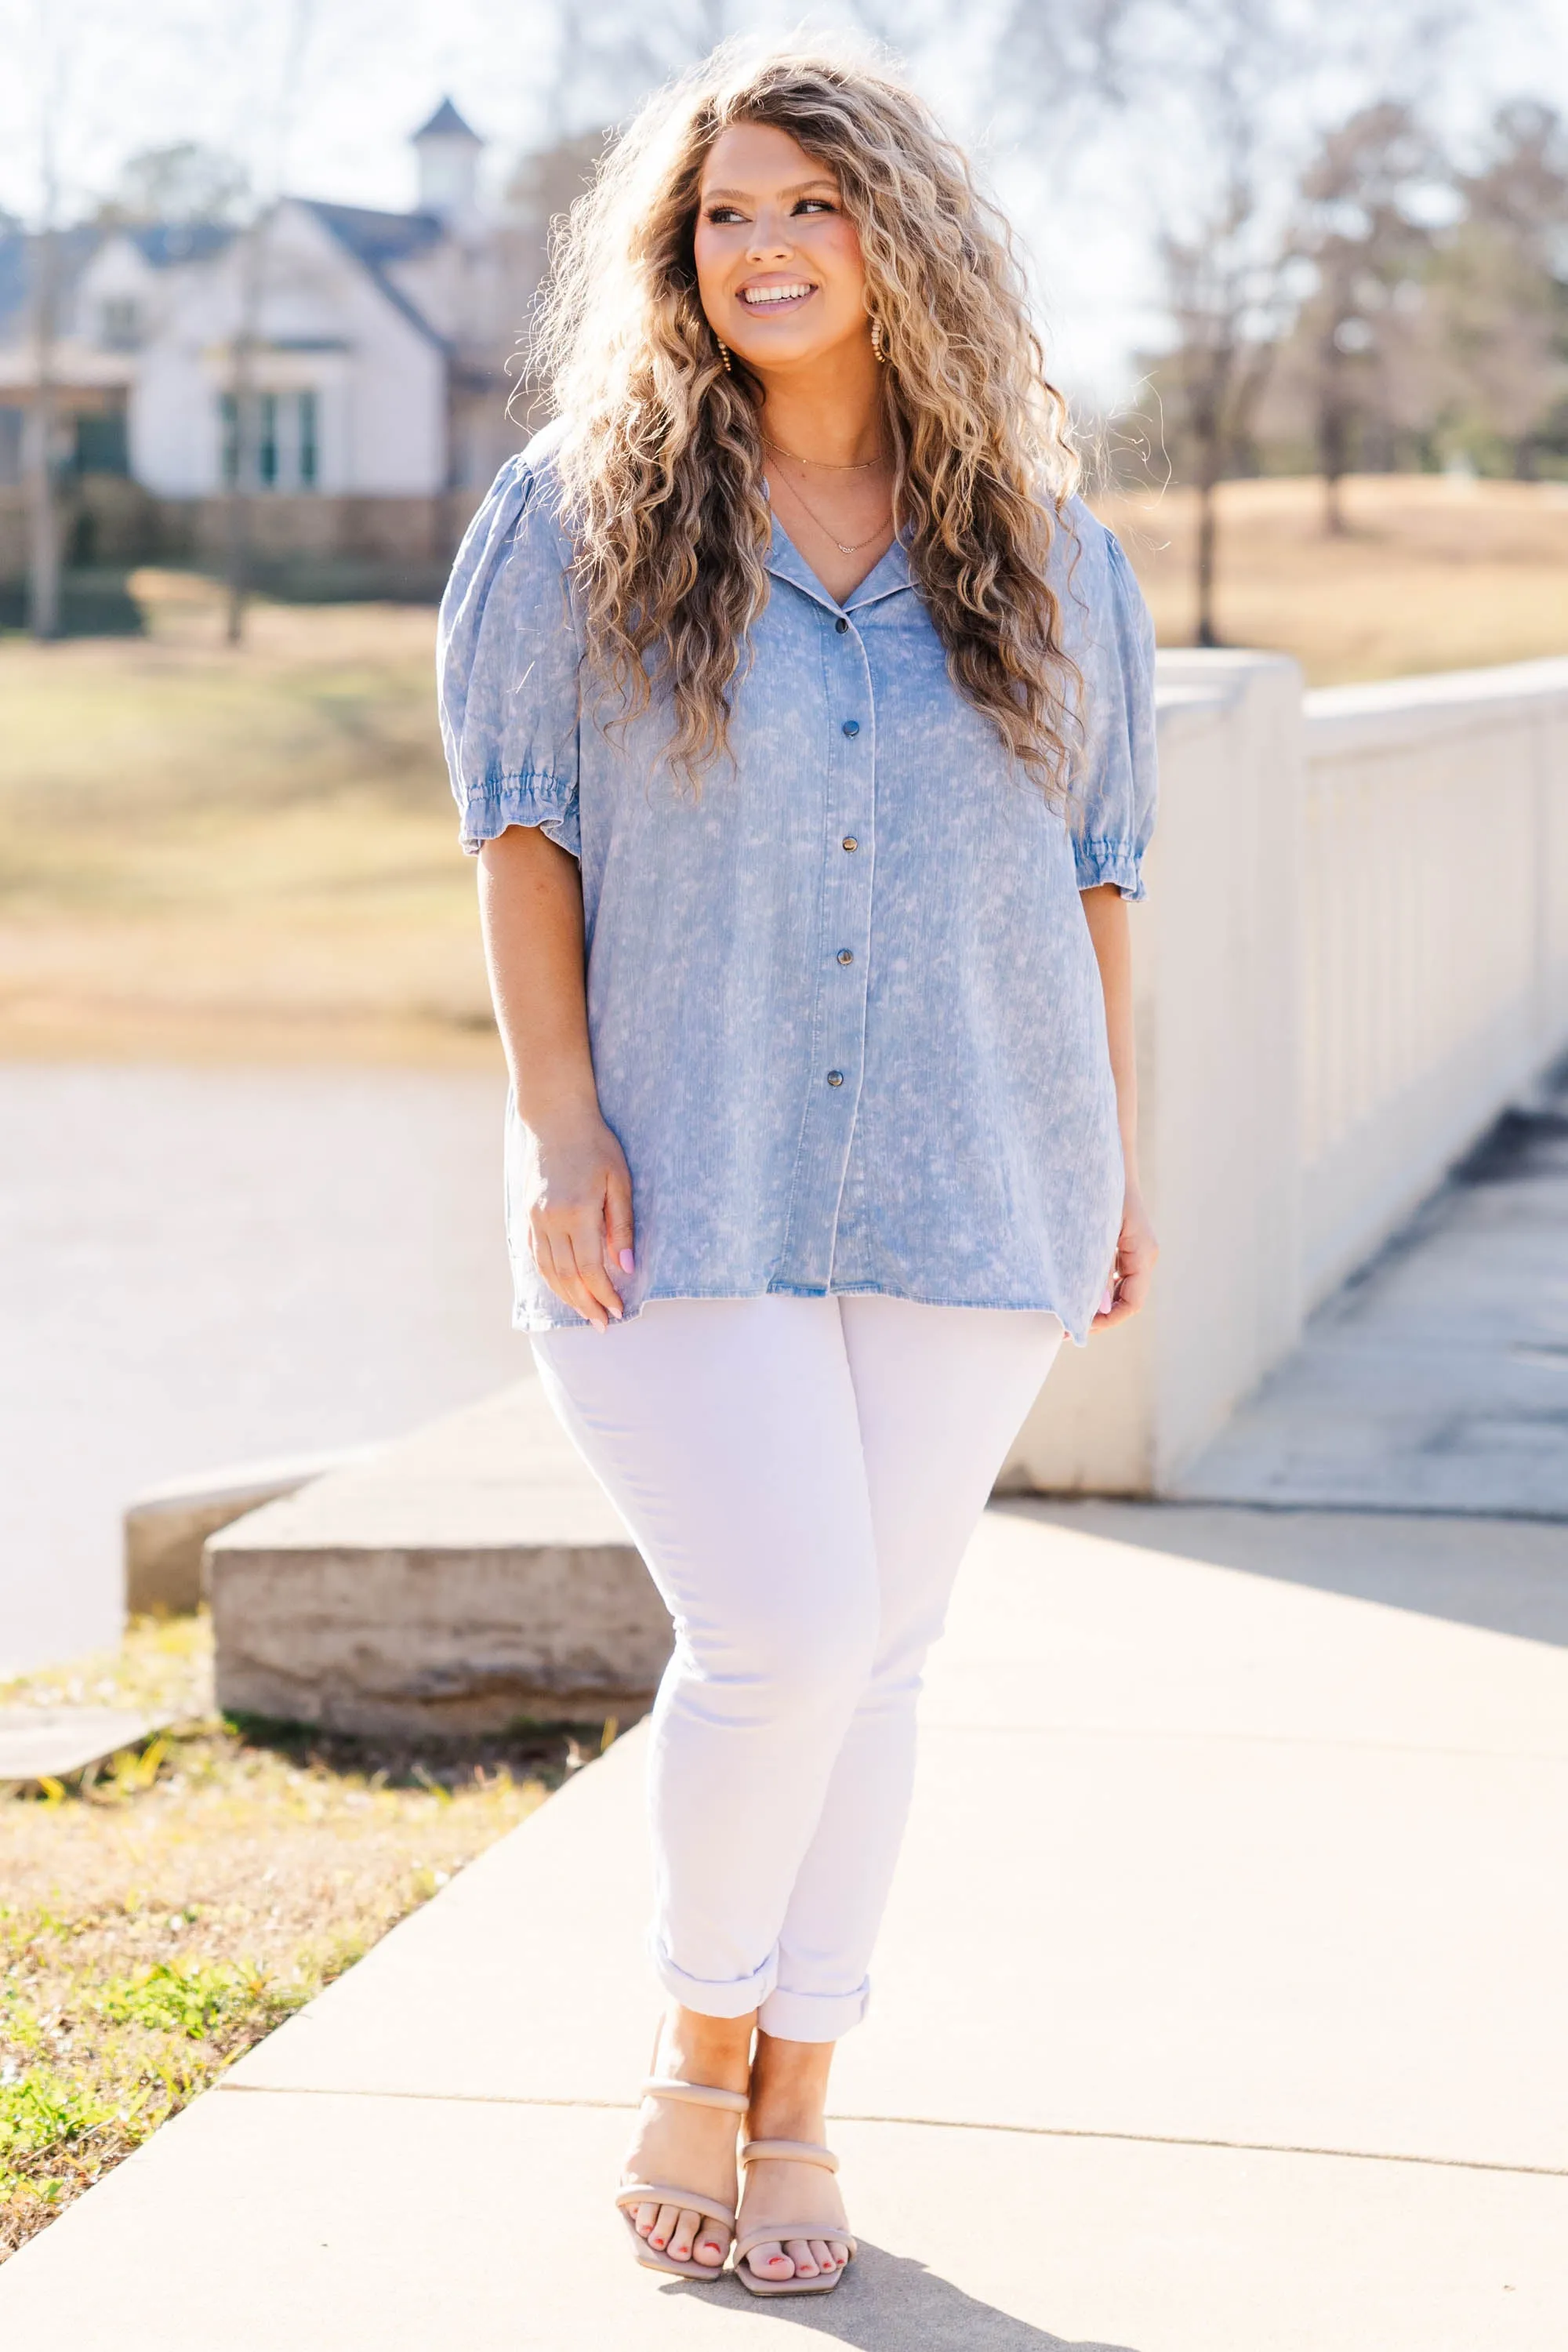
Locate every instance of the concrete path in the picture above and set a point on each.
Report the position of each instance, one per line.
(1219, 2009)
(1437, 1378)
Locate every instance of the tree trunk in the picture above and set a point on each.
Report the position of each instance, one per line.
(1333, 448)
(237, 554)
(236, 517)
(43, 516)
(43, 519)
(1205, 633)
(242, 392)
(1333, 507)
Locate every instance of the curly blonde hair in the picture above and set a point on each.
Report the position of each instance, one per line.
(661, 460)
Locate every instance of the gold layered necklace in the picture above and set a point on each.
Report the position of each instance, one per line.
(824, 464)
(859, 466)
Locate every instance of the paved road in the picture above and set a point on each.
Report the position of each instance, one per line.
(1220, 2009)
(199, 1268)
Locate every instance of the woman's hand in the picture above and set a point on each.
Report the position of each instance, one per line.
(580, 1223)
(1136, 1252)
(581, 1220)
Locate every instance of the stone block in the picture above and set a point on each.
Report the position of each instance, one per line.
(166, 1528)
(472, 1575)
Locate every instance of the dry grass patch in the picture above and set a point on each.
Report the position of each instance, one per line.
(215, 852)
(1431, 574)
(159, 1919)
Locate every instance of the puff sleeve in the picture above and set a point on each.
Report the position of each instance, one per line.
(1114, 788)
(506, 663)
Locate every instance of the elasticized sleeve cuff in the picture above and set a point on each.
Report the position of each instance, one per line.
(536, 797)
(1100, 861)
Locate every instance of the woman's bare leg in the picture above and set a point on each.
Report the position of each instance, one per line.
(789, 2101)
(693, 2146)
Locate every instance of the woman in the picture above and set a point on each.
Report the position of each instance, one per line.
(802, 724)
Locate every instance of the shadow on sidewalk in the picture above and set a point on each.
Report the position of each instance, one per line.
(1508, 1576)
(888, 2303)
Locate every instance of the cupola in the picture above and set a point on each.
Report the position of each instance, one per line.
(449, 153)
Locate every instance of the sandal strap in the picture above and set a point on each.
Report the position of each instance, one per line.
(695, 2094)
(658, 2192)
(789, 2152)
(778, 2233)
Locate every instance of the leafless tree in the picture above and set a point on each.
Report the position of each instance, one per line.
(1425, 327)
(1226, 302)
(1041, 58)
(1367, 237)
(1498, 290)
(185, 183)
(1223, 258)
(1052, 67)
(608, 57)
(43, 504)
(1241, 79)
(251, 266)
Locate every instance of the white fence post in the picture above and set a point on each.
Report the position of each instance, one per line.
(1218, 968)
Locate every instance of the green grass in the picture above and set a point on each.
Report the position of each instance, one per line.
(95, 2063)
(194, 1998)
(159, 1916)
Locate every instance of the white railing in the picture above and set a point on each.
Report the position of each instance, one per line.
(1436, 928)
(1355, 954)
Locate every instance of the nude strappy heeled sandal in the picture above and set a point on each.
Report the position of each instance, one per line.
(775, 2233)
(633, 2193)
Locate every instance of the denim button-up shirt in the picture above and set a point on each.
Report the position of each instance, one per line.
(844, 1012)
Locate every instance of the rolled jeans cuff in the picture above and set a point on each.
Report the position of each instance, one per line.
(812, 2016)
(735, 1996)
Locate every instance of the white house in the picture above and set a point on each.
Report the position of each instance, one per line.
(371, 347)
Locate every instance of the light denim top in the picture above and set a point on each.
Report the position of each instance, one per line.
(844, 1012)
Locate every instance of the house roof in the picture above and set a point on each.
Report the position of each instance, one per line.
(15, 275)
(377, 239)
(18, 261)
(164, 243)
(446, 123)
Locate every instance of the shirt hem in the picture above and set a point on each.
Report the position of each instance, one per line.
(525, 1318)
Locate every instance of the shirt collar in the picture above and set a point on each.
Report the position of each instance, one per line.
(888, 577)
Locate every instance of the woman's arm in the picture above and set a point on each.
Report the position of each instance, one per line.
(1136, 1248)
(530, 912)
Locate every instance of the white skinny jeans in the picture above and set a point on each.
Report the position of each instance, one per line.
(802, 1476)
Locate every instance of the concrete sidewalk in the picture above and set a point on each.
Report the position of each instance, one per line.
(1219, 2008)
(1433, 1379)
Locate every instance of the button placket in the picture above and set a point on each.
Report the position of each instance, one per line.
(844, 937)
(850, 872)
(851, 885)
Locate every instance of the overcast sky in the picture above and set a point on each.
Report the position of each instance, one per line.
(135, 74)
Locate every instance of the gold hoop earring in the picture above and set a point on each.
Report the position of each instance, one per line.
(879, 345)
(724, 355)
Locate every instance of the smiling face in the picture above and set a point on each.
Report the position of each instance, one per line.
(779, 268)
